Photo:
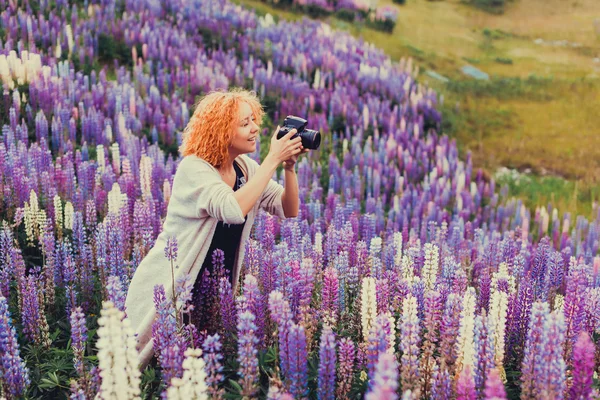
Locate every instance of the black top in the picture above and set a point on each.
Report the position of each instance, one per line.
(227, 237)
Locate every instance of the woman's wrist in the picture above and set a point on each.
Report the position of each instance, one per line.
(290, 167)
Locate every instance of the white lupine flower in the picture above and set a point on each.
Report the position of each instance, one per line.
(317, 81)
(41, 220)
(408, 273)
(117, 355)
(29, 221)
(319, 242)
(100, 158)
(116, 199)
(192, 385)
(397, 247)
(58, 212)
(430, 268)
(146, 177)
(465, 344)
(116, 157)
(365, 115)
(58, 50)
(559, 303)
(368, 305)
(392, 336)
(70, 41)
(69, 211)
(497, 317)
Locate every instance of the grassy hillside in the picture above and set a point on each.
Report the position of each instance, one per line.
(539, 111)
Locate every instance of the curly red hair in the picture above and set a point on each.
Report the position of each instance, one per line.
(211, 128)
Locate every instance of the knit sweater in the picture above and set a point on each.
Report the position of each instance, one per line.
(200, 198)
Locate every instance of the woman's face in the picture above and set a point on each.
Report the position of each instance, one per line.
(245, 133)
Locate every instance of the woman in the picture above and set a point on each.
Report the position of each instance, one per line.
(217, 192)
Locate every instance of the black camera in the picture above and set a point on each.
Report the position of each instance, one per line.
(310, 139)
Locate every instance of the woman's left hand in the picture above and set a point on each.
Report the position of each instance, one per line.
(290, 162)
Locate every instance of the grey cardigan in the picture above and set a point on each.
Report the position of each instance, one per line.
(199, 199)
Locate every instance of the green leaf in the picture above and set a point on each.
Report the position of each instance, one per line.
(235, 385)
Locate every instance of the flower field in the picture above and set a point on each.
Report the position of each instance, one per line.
(407, 274)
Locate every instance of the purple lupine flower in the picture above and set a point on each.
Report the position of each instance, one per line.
(441, 386)
(212, 358)
(171, 249)
(377, 342)
(550, 371)
(519, 314)
(409, 343)
(227, 312)
(383, 295)
(282, 316)
(330, 306)
(247, 353)
(346, 356)
(494, 388)
(385, 382)
(6, 265)
(254, 302)
(78, 339)
(449, 329)
(465, 386)
(297, 377)
(574, 307)
(171, 359)
(583, 367)
(31, 309)
(484, 352)
(116, 294)
(431, 323)
(326, 364)
(531, 356)
(14, 372)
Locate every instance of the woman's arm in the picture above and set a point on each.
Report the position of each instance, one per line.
(280, 150)
(289, 199)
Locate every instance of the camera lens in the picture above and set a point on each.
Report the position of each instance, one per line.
(311, 139)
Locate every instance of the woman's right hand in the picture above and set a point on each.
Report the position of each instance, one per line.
(282, 149)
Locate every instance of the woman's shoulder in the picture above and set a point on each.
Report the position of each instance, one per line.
(247, 163)
(194, 162)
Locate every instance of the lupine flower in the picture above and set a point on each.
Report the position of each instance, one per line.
(497, 317)
(326, 364)
(433, 317)
(192, 384)
(117, 356)
(14, 374)
(368, 304)
(484, 352)
(298, 372)
(247, 353)
(441, 386)
(494, 388)
(583, 367)
(464, 344)
(330, 296)
(116, 294)
(409, 343)
(430, 268)
(385, 382)
(212, 359)
(531, 357)
(346, 356)
(78, 339)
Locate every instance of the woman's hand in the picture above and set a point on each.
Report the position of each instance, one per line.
(290, 162)
(285, 148)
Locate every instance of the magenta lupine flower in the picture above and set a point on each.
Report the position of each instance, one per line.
(297, 377)
(494, 388)
(409, 343)
(385, 382)
(465, 386)
(346, 356)
(583, 367)
(484, 352)
(116, 294)
(383, 294)
(13, 371)
(78, 339)
(326, 364)
(330, 305)
(212, 359)
(247, 353)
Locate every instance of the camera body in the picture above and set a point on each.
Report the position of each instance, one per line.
(311, 139)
